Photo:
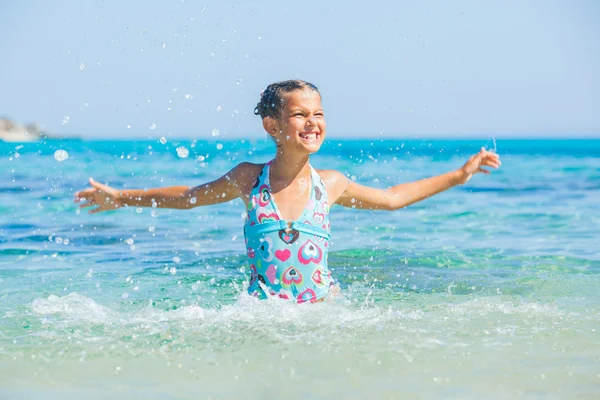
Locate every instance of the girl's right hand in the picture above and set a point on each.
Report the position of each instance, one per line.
(103, 196)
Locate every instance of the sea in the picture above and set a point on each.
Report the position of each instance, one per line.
(489, 290)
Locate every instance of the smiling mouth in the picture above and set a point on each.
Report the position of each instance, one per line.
(310, 136)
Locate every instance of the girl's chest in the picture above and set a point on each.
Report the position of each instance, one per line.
(292, 200)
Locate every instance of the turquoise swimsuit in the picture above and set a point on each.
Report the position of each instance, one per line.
(288, 259)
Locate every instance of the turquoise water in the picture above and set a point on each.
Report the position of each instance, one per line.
(491, 290)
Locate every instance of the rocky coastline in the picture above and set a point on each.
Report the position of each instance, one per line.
(11, 131)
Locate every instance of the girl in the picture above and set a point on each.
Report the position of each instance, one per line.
(287, 200)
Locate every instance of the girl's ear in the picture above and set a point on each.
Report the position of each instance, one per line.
(271, 126)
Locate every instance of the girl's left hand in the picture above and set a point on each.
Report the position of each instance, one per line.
(476, 163)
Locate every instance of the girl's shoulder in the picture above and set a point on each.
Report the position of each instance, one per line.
(247, 171)
(331, 176)
(245, 175)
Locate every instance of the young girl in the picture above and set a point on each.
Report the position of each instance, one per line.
(287, 200)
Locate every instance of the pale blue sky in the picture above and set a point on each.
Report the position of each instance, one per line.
(385, 68)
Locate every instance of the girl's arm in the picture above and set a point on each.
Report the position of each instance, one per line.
(226, 188)
(351, 194)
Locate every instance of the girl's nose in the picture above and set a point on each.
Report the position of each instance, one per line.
(312, 121)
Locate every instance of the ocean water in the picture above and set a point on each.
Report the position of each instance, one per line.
(490, 290)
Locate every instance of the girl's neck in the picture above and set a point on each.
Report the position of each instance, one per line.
(286, 167)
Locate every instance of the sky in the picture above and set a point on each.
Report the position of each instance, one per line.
(119, 69)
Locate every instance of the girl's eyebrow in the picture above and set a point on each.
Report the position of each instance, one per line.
(295, 109)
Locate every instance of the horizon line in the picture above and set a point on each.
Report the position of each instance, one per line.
(228, 138)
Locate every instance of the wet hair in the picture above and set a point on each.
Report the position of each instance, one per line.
(272, 100)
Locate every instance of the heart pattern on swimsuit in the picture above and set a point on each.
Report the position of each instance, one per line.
(258, 180)
(266, 216)
(318, 193)
(283, 255)
(289, 237)
(291, 275)
(264, 196)
(316, 276)
(307, 295)
(309, 252)
(266, 249)
(272, 273)
(318, 217)
(253, 274)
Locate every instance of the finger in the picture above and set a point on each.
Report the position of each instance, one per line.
(483, 171)
(99, 186)
(95, 210)
(83, 198)
(490, 163)
(86, 205)
(85, 192)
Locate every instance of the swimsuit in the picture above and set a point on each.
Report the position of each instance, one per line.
(288, 259)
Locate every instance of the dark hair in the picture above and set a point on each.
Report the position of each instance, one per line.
(272, 100)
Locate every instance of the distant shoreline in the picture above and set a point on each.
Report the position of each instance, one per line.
(329, 138)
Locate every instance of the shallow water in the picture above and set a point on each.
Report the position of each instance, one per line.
(486, 291)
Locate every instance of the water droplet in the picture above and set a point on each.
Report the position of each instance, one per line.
(129, 241)
(200, 158)
(81, 66)
(219, 108)
(125, 295)
(139, 210)
(154, 213)
(183, 152)
(128, 126)
(193, 200)
(163, 140)
(153, 126)
(219, 146)
(163, 45)
(61, 155)
(173, 270)
(189, 96)
(66, 119)
(151, 229)
(176, 259)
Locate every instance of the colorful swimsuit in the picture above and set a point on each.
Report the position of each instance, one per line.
(288, 258)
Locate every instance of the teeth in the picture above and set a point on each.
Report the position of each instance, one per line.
(309, 136)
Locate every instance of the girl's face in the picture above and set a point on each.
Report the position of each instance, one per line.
(301, 127)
